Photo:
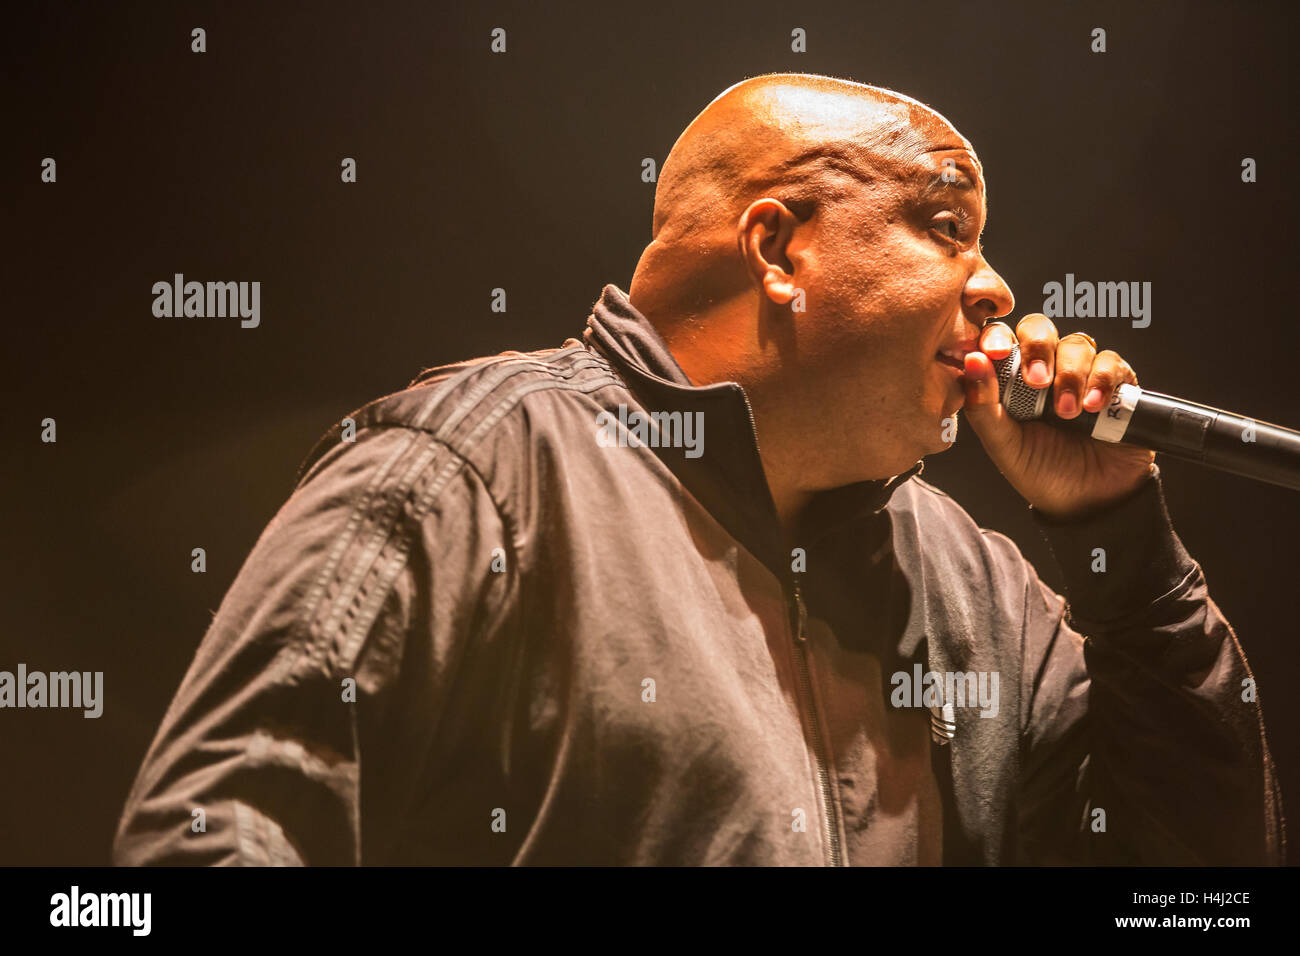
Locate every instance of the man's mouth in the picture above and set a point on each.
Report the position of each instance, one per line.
(956, 358)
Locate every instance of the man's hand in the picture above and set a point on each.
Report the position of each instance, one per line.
(1061, 474)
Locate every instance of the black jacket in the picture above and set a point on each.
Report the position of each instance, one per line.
(483, 632)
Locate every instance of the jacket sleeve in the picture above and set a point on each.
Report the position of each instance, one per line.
(326, 666)
(1142, 737)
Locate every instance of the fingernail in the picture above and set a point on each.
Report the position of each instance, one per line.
(1037, 374)
(1065, 404)
(1093, 400)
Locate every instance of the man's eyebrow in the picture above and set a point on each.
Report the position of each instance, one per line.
(961, 183)
(955, 179)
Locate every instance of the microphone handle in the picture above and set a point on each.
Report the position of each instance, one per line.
(1170, 426)
(1199, 433)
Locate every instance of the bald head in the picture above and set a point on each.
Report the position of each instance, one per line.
(802, 139)
(789, 134)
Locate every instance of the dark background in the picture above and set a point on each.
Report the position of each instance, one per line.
(522, 171)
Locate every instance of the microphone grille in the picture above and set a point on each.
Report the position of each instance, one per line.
(1022, 401)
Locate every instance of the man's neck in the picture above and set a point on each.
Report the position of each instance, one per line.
(719, 355)
(726, 344)
(790, 505)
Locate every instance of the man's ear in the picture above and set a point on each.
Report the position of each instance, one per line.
(764, 233)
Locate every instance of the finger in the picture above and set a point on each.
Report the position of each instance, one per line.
(980, 381)
(1109, 371)
(998, 431)
(1074, 358)
(997, 340)
(1038, 343)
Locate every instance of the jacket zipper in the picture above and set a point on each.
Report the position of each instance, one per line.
(829, 830)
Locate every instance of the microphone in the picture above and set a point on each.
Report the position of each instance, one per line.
(1171, 426)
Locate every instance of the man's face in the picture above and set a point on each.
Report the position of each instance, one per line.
(895, 280)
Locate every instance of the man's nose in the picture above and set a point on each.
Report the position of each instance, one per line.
(986, 294)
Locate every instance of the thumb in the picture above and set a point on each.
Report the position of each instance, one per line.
(999, 432)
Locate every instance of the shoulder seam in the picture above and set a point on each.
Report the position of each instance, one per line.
(364, 583)
(463, 408)
(460, 430)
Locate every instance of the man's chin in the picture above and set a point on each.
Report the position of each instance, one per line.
(945, 433)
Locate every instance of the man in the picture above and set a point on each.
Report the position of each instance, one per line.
(671, 594)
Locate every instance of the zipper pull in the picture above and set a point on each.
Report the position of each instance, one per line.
(799, 634)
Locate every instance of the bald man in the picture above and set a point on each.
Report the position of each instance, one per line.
(675, 594)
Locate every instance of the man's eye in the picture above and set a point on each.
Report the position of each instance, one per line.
(952, 224)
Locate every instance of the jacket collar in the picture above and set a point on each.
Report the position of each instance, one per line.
(728, 478)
